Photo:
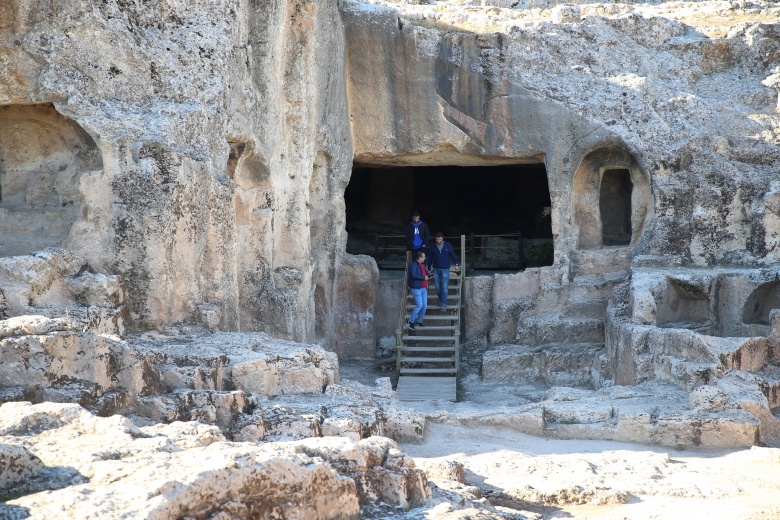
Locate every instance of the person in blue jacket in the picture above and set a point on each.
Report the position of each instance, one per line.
(439, 262)
(417, 235)
(418, 285)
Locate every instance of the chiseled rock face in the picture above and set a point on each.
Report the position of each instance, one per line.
(305, 371)
(188, 470)
(631, 87)
(197, 151)
(53, 289)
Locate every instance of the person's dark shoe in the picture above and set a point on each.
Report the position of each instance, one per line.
(419, 324)
(410, 327)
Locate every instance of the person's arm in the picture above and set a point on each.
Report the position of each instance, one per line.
(414, 271)
(454, 258)
(451, 252)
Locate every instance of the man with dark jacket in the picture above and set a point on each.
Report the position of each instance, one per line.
(439, 261)
(418, 285)
(417, 235)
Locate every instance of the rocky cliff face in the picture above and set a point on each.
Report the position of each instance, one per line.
(202, 151)
(172, 214)
(220, 140)
(482, 86)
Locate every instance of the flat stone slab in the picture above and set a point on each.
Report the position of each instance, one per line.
(652, 413)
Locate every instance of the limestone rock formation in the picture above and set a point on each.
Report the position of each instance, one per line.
(110, 467)
(173, 245)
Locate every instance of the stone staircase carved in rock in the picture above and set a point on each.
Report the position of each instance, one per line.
(428, 359)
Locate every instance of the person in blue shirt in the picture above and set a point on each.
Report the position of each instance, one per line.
(440, 259)
(417, 235)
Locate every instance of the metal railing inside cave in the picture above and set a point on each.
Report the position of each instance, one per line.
(499, 251)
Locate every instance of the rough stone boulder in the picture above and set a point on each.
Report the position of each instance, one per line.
(188, 470)
(252, 386)
(57, 284)
(35, 352)
(349, 409)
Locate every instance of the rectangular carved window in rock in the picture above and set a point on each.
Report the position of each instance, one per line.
(496, 207)
(615, 205)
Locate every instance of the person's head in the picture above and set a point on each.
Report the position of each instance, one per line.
(420, 256)
(415, 216)
(439, 237)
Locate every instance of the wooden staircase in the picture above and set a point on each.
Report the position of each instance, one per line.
(428, 359)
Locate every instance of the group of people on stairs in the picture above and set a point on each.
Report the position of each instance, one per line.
(428, 263)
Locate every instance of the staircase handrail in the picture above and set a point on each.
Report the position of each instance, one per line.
(460, 305)
(401, 320)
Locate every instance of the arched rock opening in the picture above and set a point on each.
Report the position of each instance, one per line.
(610, 200)
(43, 156)
(495, 203)
(761, 302)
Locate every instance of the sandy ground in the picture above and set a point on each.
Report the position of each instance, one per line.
(551, 479)
(544, 479)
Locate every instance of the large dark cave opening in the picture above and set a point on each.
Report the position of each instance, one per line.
(496, 205)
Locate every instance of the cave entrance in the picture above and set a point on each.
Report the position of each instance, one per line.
(496, 207)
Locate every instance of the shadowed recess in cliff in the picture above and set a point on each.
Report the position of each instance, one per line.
(495, 200)
(43, 156)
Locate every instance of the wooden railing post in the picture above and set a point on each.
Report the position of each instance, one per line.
(520, 252)
(399, 342)
(473, 251)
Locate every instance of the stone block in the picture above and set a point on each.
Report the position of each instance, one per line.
(354, 326)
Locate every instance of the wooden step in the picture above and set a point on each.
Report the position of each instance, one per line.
(434, 308)
(416, 388)
(405, 371)
(428, 359)
(428, 338)
(429, 348)
(437, 327)
(435, 317)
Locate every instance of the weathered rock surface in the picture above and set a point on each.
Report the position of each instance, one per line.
(113, 469)
(253, 386)
(188, 162)
(651, 413)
